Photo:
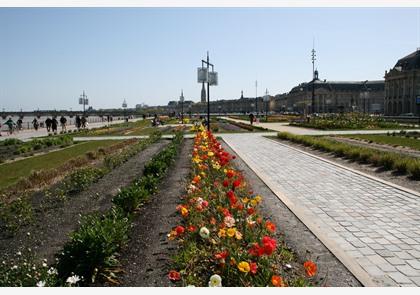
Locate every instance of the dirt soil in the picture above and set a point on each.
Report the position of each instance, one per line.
(406, 151)
(230, 127)
(393, 177)
(146, 260)
(295, 234)
(49, 232)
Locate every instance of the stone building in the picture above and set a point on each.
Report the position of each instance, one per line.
(336, 96)
(402, 86)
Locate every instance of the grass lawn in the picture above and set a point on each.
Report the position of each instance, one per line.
(11, 172)
(391, 140)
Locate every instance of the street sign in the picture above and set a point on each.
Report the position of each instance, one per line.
(201, 75)
(418, 99)
(213, 78)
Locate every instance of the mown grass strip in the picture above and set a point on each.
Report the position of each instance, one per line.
(10, 173)
(387, 160)
(388, 139)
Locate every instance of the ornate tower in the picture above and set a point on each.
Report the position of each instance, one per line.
(203, 94)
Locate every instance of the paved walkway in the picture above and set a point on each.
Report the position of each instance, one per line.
(372, 226)
(284, 127)
(29, 134)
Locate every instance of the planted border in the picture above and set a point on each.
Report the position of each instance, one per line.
(387, 160)
(224, 240)
(92, 252)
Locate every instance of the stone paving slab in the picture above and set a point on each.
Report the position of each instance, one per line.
(371, 225)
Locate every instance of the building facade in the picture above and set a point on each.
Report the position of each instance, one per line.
(402, 86)
(336, 96)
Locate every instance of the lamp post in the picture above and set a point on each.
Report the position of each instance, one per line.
(181, 99)
(256, 97)
(84, 101)
(211, 78)
(124, 105)
(266, 99)
(313, 81)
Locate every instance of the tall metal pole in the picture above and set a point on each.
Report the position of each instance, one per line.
(208, 94)
(313, 80)
(256, 97)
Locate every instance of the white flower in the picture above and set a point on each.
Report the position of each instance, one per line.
(204, 232)
(40, 284)
(14, 267)
(44, 264)
(73, 280)
(200, 201)
(229, 221)
(288, 266)
(19, 253)
(215, 281)
(52, 271)
(250, 221)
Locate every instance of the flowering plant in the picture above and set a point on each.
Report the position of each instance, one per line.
(227, 240)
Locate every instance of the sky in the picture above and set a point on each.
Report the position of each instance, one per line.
(48, 56)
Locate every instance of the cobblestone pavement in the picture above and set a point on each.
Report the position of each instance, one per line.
(284, 127)
(372, 226)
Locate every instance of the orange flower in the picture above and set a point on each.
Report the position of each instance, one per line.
(271, 227)
(196, 179)
(174, 275)
(184, 211)
(277, 281)
(310, 268)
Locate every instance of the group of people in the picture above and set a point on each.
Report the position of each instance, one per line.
(50, 123)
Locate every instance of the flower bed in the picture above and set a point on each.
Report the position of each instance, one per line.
(224, 239)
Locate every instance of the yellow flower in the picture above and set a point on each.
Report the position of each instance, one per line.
(210, 154)
(231, 232)
(238, 235)
(254, 203)
(245, 200)
(222, 233)
(258, 199)
(203, 173)
(184, 211)
(216, 166)
(243, 266)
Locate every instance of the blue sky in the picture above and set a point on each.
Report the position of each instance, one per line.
(146, 55)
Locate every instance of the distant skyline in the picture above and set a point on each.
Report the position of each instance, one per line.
(48, 56)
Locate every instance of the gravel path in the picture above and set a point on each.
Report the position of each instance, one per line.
(294, 233)
(146, 259)
(50, 231)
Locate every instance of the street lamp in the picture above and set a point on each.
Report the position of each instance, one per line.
(84, 101)
(181, 99)
(124, 105)
(211, 78)
(256, 98)
(266, 99)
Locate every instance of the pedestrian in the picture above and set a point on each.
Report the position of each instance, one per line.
(83, 121)
(10, 124)
(48, 124)
(54, 124)
(63, 122)
(19, 123)
(78, 122)
(35, 124)
(251, 118)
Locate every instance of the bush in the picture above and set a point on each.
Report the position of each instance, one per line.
(414, 169)
(82, 178)
(128, 199)
(15, 215)
(91, 250)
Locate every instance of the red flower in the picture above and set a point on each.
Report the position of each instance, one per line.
(205, 203)
(221, 255)
(191, 228)
(179, 230)
(225, 183)
(174, 275)
(253, 268)
(236, 183)
(271, 227)
(233, 157)
(256, 250)
(310, 268)
(277, 281)
(269, 245)
(230, 173)
(250, 211)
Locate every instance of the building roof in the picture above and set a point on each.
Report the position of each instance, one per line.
(409, 62)
(340, 85)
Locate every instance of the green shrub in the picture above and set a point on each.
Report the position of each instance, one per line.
(386, 160)
(414, 169)
(401, 165)
(82, 178)
(14, 215)
(128, 199)
(91, 251)
(12, 141)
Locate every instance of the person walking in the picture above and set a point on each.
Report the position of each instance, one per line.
(10, 124)
(19, 124)
(35, 124)
(83, 121)
(48, 124)
(251, 118)
(78, 122)
(63, 122)
(54, 124)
